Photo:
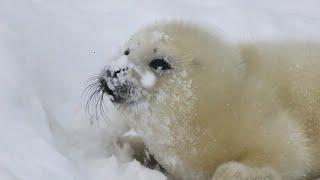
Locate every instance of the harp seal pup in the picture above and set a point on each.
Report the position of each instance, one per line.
(207, 108)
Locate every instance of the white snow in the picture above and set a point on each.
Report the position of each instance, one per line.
(148, 79)
(120, 63)
(48, 50)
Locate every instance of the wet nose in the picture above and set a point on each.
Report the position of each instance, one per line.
(118, 91)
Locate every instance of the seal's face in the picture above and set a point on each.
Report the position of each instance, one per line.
(168, 67)
(145, 68)
(130, 80)
(154, 75)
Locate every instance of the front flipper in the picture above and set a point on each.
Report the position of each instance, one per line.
(141, 153)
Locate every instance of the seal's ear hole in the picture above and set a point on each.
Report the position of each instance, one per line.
(160, 64)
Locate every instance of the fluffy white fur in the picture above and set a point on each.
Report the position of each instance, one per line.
(228, 111)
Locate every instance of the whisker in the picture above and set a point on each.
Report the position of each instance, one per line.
(92, 98)
(94, 76)
(89, 88)
(96, 107)
(102, 109)
(94, 95)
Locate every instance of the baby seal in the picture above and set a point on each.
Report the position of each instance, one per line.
(210, 109)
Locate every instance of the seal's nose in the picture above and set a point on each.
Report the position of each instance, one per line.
(117, 73)
(117, 89)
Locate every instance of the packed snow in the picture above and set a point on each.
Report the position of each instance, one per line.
(49, 49)
(148, 79)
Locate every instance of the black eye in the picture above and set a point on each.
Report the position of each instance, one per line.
(160, 64)
(126, 52)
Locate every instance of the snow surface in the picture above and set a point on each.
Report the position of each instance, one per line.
(48, 49)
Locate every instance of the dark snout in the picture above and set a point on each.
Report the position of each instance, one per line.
(118, 90)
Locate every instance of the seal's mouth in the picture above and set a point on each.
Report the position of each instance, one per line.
(122, 83)
(119, 93)
(116, 85)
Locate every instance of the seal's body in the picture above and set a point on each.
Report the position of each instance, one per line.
(207, 108)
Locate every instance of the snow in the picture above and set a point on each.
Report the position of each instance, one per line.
(48, 50)
(148, 79)
(120, 63)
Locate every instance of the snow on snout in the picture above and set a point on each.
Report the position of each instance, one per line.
(148, 79)
(120, 63)
(119, 67)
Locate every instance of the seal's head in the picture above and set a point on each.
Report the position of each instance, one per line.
(171, 75)
(151, 63)
(166, 57)
(168, 64)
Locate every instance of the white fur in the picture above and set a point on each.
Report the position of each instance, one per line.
(229, 111)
